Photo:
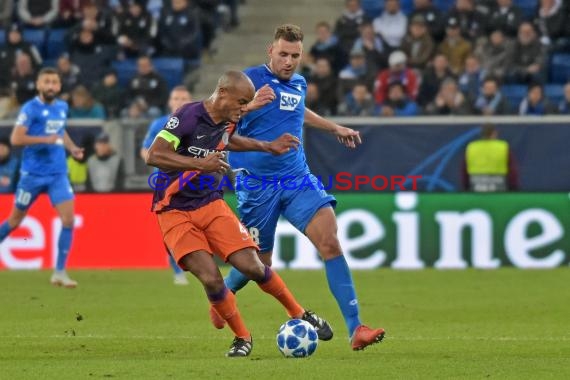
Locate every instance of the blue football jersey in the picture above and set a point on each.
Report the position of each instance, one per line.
(43, 119)
(284, 115)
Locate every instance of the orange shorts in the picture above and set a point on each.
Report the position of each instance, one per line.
(213, 228)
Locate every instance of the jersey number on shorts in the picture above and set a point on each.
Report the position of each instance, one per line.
(254, 232)
(23, 197)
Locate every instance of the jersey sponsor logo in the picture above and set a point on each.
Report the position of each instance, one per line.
(289, 101)
(172, 123)
(53, 126)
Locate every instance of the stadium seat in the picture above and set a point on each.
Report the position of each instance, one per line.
(554, 93)
(528, 7)
(36, 37)
(560, 68)
(125, 70)
(2, 37)
(55, 43)
(372, 8)
(444, 5)
(171, 69)
(514, 93)
(407, 6)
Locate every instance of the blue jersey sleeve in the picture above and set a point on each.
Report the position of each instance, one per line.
(153, 130)
(25, 117)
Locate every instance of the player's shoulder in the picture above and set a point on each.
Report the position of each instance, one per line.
(298, 79)
(31, 105)
(62, 104)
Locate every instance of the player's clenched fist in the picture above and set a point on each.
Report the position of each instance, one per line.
(214, 162)
(283, 144)
(263, 96)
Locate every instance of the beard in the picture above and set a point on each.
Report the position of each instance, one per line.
(48, 96)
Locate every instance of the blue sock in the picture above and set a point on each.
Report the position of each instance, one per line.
(342, 288)
(235, 280)
(4, 230)
(63, 245)
(173, 265)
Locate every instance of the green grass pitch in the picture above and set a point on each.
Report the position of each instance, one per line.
(502, 324)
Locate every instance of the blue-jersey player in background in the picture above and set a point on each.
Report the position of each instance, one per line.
(309, 209)
(40, 129)
(179, 96)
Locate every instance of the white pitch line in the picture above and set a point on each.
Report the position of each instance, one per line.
(262, 337)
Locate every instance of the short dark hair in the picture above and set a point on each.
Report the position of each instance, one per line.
(289, 33)
(48, 71)
(487, 130)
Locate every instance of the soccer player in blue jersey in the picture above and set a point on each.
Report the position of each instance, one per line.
(179, 96)
(40, 129)
(309, 210)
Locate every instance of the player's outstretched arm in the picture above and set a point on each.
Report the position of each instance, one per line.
(280, 145)
(162, 154)
(20, 137)
(346, 136)
(263, 96)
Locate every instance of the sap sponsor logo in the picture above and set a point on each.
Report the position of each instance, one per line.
(289, 101)
(53, 126)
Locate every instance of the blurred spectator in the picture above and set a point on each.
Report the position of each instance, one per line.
(564, 106)
(535, 103)
(8, 104)
(110, 94)
(397, 72)
(105, 168)
(471, 79)
(373, 47)
(526, 61)
(149, 85)
(494, 54)
(139, 109)
(6, 13)
(83, 106)
(550, 21)
(433, 17)
(71, 12)
(312, 100)
(23, 78)
(391, 25)
(327, 84)
(491, 102)
(136, 30)
(208, 11)
(358, 102)
(347, 27)
(98, 20)
(179, 31)
(454, 46)
(14, 44)
(355, 72)
(154, 7)
(449, 100)
(327, 46)
(9, 165)
(418, 43)
(433, 77)
(397, 103)
(69, 75)
(489, 164)
(470, 20)
(505, 17)
(38, 13)
(91, 57)
(77, 173)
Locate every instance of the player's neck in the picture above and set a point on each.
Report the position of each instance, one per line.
(44, 101)
(212, 112)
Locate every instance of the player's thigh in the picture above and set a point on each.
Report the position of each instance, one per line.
(28, 189)
(60, 191)
(259, 211)
(303, 202)
(180, 235)
(223, 230)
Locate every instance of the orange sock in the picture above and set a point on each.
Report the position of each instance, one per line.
(277, 288)
(227, 309)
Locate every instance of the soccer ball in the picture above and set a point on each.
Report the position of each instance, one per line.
(297, 339)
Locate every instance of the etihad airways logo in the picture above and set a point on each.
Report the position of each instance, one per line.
(289, 102)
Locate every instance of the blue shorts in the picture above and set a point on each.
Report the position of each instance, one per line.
(260, 203)
(57, 186)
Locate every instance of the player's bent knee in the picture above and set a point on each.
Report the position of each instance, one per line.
(329, 249)
(213, 283)
(265, 258)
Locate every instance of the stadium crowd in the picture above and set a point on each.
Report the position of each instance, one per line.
(116, 57)
(462, 57)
